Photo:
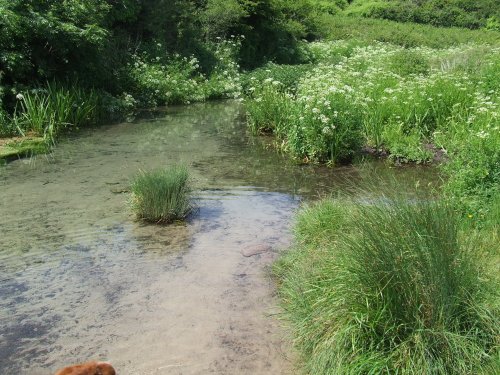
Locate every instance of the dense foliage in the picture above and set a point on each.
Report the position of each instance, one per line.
(406, 102)
(143, 53)
(396, 86)
(472, 14)
(92, 40)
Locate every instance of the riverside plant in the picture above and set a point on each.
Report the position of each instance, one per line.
(407, 102)
(175, 79)
(325, 128)
(387, 86)
(225, 79)
(161, 195)
(48, 111)
(389, 288)
(160, 82)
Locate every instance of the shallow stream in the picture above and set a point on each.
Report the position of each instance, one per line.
(81, 279)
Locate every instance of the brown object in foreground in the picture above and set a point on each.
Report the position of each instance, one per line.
(89, 368)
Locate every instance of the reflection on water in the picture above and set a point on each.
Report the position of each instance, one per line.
(81, 279)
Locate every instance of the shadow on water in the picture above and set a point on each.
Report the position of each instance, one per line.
(81, 279)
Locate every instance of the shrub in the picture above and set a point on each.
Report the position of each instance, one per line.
(224, 79)
(287, 75)
(447, 13)
(160, 82)
(322, 128)
(114, 109)
(389, 287)
(493, 23)
(161, 196)
(219, 16)
(408, 62)
(173, 79)
(327, 129)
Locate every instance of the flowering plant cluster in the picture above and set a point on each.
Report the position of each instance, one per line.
(405, 102)
(224, 80)
(176, 79)
(159, 83)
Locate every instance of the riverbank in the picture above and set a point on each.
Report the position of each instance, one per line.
(355, 283)
(17, 147)
(388, 285)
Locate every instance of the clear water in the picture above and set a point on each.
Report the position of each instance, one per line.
(81, 279)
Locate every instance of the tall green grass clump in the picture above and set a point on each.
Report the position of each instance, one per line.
(389, 288)
(48, 111)
(162, 195)
(270, 109)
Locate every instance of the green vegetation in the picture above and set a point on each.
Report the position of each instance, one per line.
(392, 286)
(389, 287)
(27, 146)
(105, 59)
(407, 102)
(404, 34)
(370, 287)
(161, 196)
(444, 13)
(46, 112)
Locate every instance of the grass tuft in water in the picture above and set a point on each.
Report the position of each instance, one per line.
(162, 195)
(389, 288)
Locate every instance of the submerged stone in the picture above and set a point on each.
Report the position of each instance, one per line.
(255, 249)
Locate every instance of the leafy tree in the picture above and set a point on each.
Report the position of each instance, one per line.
(219, 16)
(46, 39)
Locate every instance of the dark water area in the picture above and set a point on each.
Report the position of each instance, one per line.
(81, 279)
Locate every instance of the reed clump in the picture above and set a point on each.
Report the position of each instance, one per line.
(50, 110)
(389, 288)
(161, 195)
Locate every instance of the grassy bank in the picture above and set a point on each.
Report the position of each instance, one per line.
(408, 34)
(392, 286)
(389, 287)
(414, 104)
